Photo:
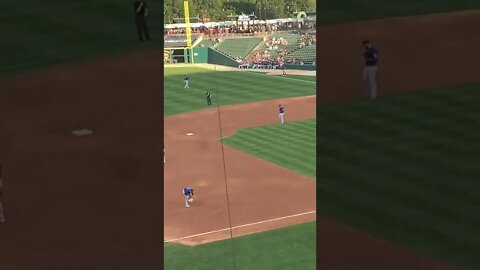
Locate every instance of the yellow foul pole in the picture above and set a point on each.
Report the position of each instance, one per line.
(188, 30)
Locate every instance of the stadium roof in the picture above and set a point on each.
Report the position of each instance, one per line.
(226, 23)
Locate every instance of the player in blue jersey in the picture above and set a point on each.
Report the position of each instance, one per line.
(186, 78)
(281, 113)
(188, 194)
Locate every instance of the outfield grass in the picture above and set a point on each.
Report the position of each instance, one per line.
(301, 77)
(228, 87)
(282, 249)
(38, 33)
(291, 145)
(334, 11)
(406, 168)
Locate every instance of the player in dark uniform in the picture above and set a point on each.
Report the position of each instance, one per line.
(141, 14)
(186, 78)
(281, 113)
(370, 71)
(209, 98)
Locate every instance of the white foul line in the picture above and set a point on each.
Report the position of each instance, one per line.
(239, 226)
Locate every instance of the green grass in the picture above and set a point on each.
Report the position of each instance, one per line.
(334, 11)
(291, 145)
(406, 168)
(39, 33)
(282, 249)
(230, 87)
(301, 77)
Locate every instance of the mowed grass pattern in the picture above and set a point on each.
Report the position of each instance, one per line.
(334, 11)
(406, 168)
(300, 77)
(280, 249)
(36, 33)
(227, 87)
(292, 145)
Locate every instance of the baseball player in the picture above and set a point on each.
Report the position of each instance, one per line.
(188, 194)
(370, 71)
(141, 14)
(284, 73)
(209, 98)
(186, 78)
(2, 213)
(281, 113)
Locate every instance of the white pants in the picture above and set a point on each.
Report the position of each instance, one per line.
(188, 199)
(186, 84)
(370, 77)
(281, 116)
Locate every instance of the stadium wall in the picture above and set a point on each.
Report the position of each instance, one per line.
(200, 55)
(217, 58)
(206, 55)
(301, 67)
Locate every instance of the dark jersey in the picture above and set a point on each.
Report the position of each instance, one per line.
(139, 13)
(371, 56)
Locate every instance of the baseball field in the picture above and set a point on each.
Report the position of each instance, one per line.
(269, 170)
(396, 190)
(397, 176)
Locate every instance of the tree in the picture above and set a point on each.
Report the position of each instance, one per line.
(218, 10)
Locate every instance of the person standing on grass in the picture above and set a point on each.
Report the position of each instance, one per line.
(2, 209)
(370, 71)
(209, 99)
(141, 14)
(186, 78)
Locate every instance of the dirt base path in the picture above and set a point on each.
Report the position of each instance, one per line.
(416, 53)
(83, 203)
(258, 190)
(340, 247)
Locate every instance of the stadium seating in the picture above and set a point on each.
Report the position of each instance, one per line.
(306, 54)
(292, 40)
(240, 47)
(206, 43)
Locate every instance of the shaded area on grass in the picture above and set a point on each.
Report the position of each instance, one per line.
(333, 11)
(42, 33)
(405, 168)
